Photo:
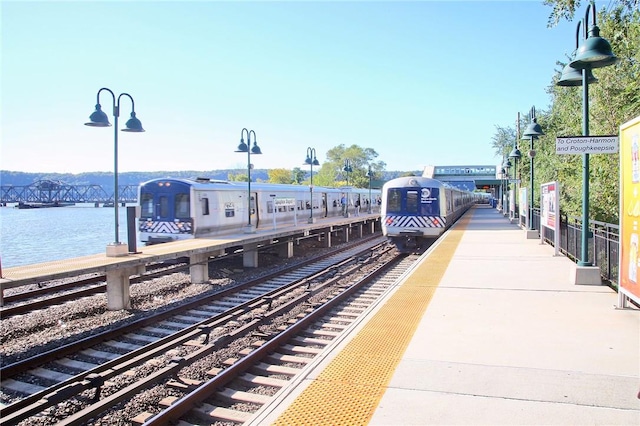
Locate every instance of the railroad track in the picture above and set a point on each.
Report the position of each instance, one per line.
(91, 368)
(235, 393)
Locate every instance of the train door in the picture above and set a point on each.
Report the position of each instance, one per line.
(162, 209)
(253, 209)
(325, 205)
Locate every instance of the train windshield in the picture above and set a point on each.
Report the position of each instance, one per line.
(422, 201)
(182, 205)
(394, 200)
(412, 201)
(146, 204)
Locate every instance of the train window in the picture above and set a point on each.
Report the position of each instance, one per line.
(205, 206)
(182, 205)
(412, 202)
(394, 200)
(269, 206)
(146, 204)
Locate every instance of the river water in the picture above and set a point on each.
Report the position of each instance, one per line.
(29, 236)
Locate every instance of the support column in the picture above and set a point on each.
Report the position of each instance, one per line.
(199, 268)
(285, 250)
(118, 295)
(360, 228)
(327, 237)
(372, 227)
(250, 256)
(346, 230)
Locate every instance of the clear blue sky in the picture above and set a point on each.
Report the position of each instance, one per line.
(422, 82)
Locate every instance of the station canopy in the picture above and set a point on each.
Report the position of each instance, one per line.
(473, 177)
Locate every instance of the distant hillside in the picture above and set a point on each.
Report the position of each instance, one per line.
(105, 179)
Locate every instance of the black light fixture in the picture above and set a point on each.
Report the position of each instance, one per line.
(99, 119)
(532, 132)
(594, 52)
(515, 155)
(347, 169)
(311, 160)
(571, 76)
(244, 147)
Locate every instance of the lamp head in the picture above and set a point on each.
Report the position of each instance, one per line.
(515, 153)
(98, 118)
(256, 148)
(133, 124)
(573, 77)
(533, 130)
(243, 147)
(594, 52)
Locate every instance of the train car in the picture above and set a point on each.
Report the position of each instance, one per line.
(416, 210)
(176, 209)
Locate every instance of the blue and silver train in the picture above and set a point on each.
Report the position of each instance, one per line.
(419, 209)
(177, 209)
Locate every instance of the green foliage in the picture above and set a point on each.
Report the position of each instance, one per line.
(298, 175)
(361, 159)
(237, 177)
(280, 176)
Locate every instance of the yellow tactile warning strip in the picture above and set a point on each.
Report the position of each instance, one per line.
(349, 390)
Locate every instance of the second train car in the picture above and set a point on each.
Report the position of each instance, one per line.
(417, 209)
(176, 209)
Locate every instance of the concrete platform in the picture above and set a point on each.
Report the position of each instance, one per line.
(506, 339)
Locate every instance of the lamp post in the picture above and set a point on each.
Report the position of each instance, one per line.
(311, 160)
(594, 52)
(99, 119)
(506, 165)
(515, 154)
(347, 168)
(532, 132)
(370, 175)
(245, 147)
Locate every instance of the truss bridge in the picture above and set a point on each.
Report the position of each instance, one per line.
(49, 192)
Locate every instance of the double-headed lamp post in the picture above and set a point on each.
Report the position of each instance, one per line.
(515, 155)
(506, 165)
(594, 52)
(246, 147)
(532, 132)
(347, 168)
(369, 175)
(99, 119)
(311, 160)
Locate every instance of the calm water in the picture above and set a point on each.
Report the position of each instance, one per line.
(40, 235)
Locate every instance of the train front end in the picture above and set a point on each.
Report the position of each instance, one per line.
(165, 211)
(411, 211)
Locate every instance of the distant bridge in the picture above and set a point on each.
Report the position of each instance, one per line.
(49, 191)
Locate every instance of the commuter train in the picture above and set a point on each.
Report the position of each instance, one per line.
(416, 210)
(177, 209)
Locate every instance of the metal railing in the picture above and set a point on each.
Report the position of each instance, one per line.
(603, 245)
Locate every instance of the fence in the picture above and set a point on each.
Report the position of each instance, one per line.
(603, 245)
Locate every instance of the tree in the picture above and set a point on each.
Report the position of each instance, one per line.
(280, 176)
(332, 172)
(298, 175)
(237, 177)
